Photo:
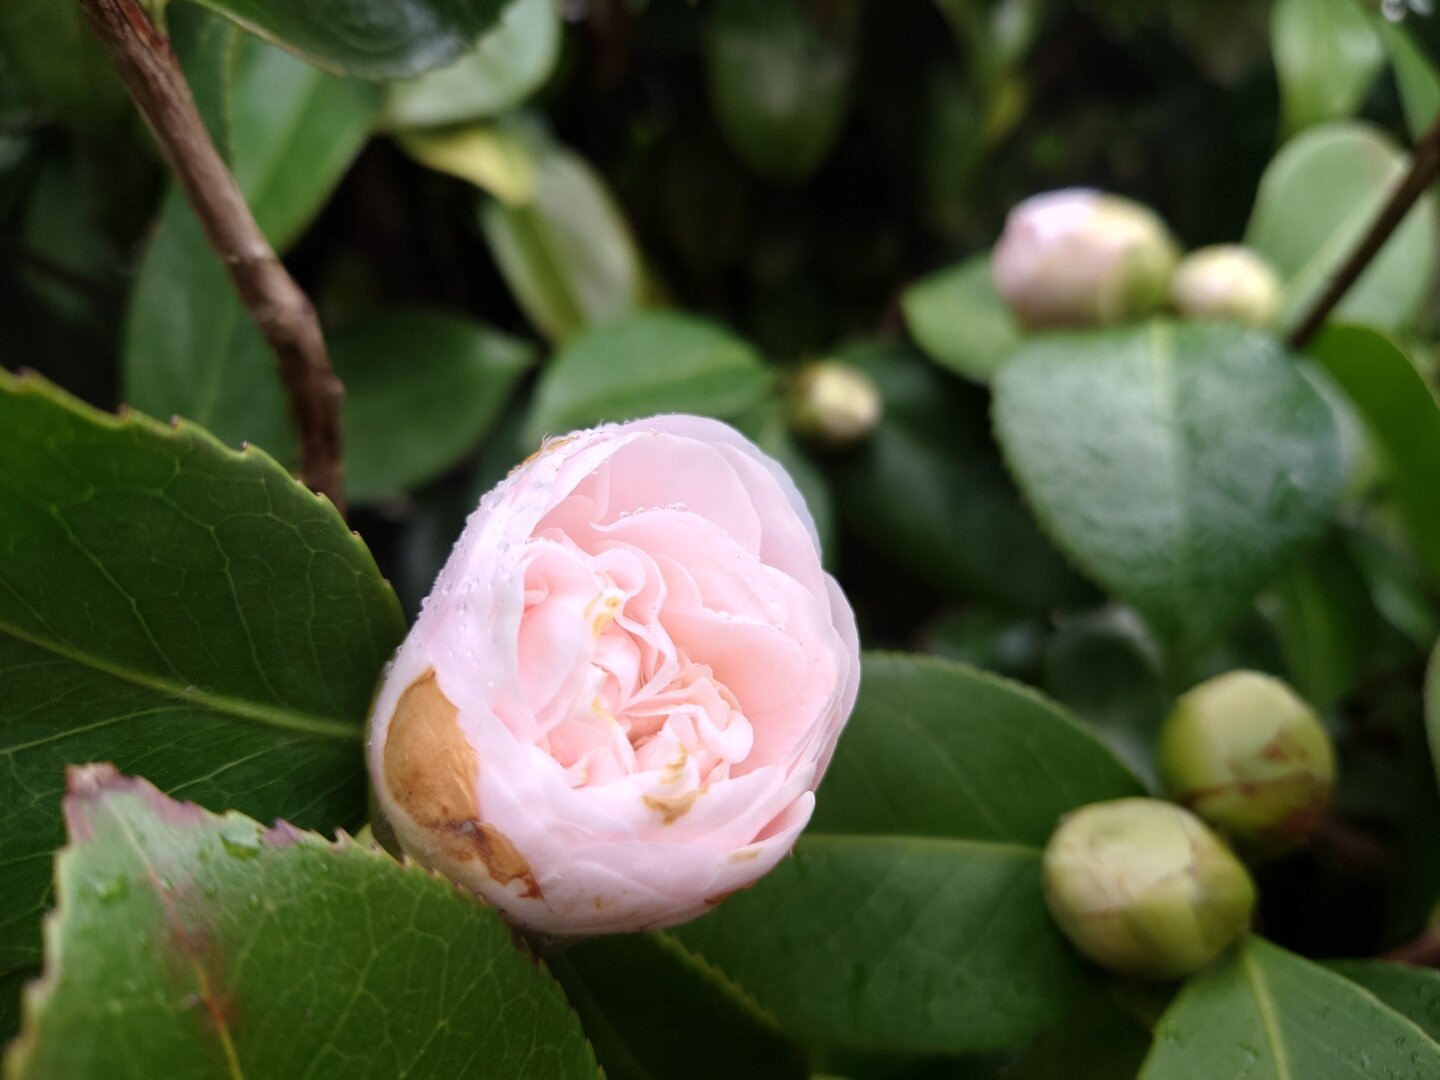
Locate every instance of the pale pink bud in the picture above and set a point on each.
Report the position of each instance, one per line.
(1082, 258)
(618, 701)
(1229, 282)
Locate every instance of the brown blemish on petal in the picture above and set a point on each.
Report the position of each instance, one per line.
(745, 855)
(430, 770)
(672, 808)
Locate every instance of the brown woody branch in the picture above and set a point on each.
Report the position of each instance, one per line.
(277, 304)
(1424, 167)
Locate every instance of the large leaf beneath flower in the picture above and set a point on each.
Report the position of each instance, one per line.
(653, 1010)
(1316, 199)
(940, 749)
(647, 364)
(374, 39)
(191, 348)
(928, 492)
(1403, 417)
(511, 62)
(421, 389)
(1179, 465)
(959, 320)
(191, 945)
(921, 927)
(176, 608)
(779, 80)
(1327, 54)
(1265, 1013)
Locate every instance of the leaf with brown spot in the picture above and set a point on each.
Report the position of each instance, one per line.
(188, 944)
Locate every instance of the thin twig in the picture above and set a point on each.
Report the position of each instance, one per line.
(278, 305)
(1424, 167)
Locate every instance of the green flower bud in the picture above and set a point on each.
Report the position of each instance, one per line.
(1082, 258)
(834, 403)
(1249, 756)
(1228, 282)
(1142, 887)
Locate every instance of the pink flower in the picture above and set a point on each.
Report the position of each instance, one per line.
(622, 692)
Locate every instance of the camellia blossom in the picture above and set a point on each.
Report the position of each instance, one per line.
(619, 698)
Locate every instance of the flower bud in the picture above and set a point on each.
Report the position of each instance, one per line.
(620, 697)
(1229, 282)
(1250, 757)
(834, 403)
(1144, 888)
(1082, 258)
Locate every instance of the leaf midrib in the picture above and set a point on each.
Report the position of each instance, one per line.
(285, 719)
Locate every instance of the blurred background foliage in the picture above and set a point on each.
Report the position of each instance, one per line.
(618, 207)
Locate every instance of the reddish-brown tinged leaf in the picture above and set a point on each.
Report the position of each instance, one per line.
(191, 945)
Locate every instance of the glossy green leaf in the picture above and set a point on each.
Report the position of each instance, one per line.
(1316, 199)
(512, 61)
(1416, 74)
(647, 364)
(652, 1010)
(779, 80)
(1403, 417)
(374, 39)
(901, 944)
(923, 860)
(958, 319)
(929, 494)
(177, 608)
(1265, 1013)
(1102, 1040)
(191, 945)
(1327, 624)
(191, 348)
(1105, 667)
(566, 251)
(1413, 992)
(1180, 465)
(421, 389)
(942, 750)
(1326, 56)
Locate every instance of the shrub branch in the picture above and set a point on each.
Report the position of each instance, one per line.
(278, 306)
(1424, 167)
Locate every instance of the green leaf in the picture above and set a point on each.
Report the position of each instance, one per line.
(171, 605)
(928, 492)
(187, 944)
(1327, 624)
(1416, 73)
(1265, 1013)
(191, 348)
(1102, 1040)
(565, 248)
(779, 80)
(937, 749)
(374, 39)
(1326, 56)
(958, 319)
(421, 389)
(643, 365)
(1413, 992)
(1403, 417)
(900, 944)
(512, 61)
(1180, 465)
(653, 1010)
(1104, 667)
(911, 917)
(1317, 198)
